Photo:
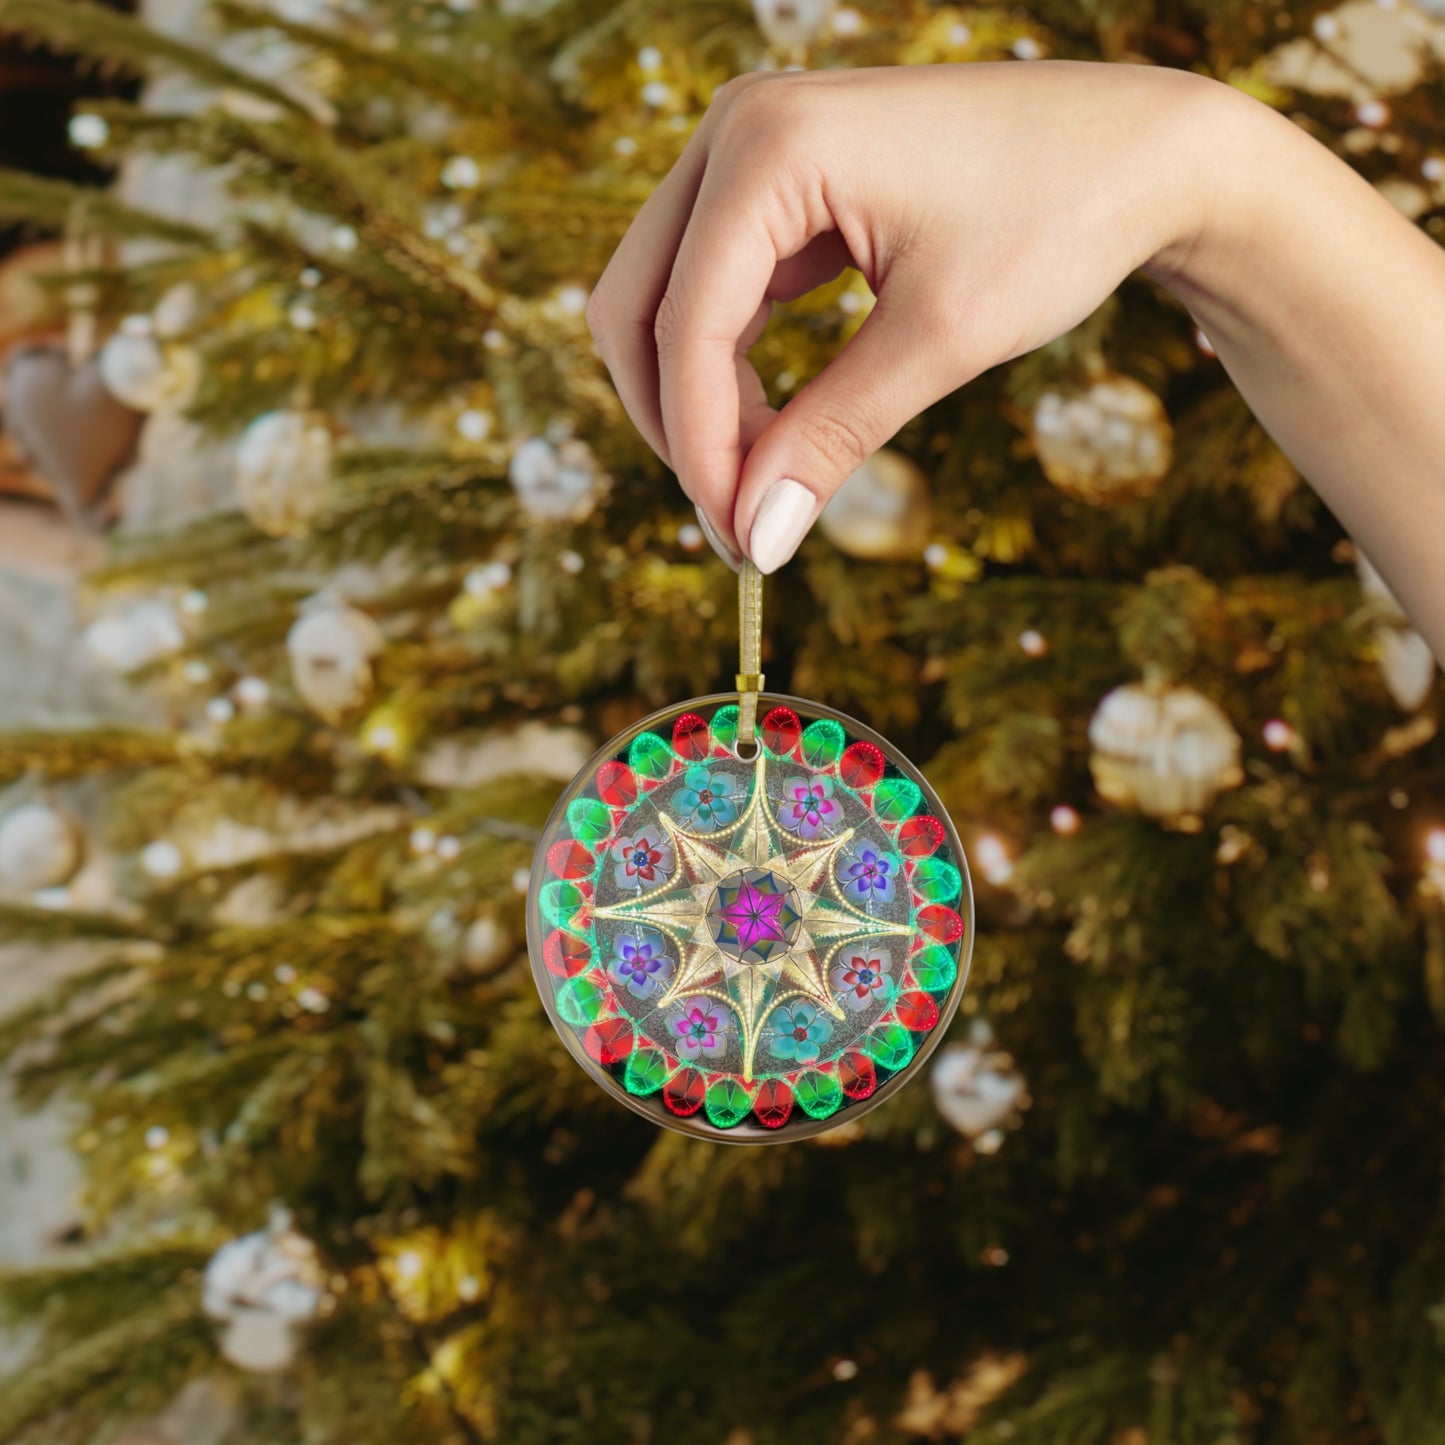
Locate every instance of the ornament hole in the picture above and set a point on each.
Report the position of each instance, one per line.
(747, 752)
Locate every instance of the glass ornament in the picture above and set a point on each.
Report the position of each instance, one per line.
(750, 941)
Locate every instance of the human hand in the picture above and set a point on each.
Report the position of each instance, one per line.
(990, 207)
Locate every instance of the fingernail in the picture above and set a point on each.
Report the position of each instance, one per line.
(781, 524)
(716, 542)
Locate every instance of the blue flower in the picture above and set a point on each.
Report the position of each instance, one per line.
(797, 1030)
(867, 874)
(641, 961)
(706, 798)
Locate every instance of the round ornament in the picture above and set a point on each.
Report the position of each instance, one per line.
(1110, 443)
(750, 943)
(792, 25)
(40, 847)
(331, 648)
(1167, 751)
(143, 372)
(283, 470)
(881, 512)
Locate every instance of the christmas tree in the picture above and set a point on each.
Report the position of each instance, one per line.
(1178, 1175)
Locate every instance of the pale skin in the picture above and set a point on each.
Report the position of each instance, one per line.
(991, 208)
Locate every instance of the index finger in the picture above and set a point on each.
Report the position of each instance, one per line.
(719, 288)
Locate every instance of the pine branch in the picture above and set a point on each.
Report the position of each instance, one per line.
(123, 42)
(52, 204)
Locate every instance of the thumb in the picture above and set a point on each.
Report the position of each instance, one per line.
(902, 359)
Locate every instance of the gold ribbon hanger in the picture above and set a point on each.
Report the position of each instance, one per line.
(750, 653)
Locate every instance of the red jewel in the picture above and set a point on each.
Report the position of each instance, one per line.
(857, 1074)
(920, 837)
(940, 923)
(610, 1041)
(917, 1011)
(570, 859)
(781, 730)
(861, 765)
(616, 785)
(684, 1092)
(564, 954)
(773, 1104)
(690, 736)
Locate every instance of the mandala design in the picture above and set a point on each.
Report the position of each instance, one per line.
(749, 947)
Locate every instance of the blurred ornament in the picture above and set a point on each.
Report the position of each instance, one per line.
(40, 847)
(162, 859)
(142, 372)
(283, 470)
(1064, 820)
(64, 420)
(474, 425)
(486, 946)
(976, 1086)
(88, 132)
(135, 637)
(554, 482)
(1167, 751)
(882, 512)
(1110, 443)
(331, 647)
(792, 25)
(252, 692)
(993, 859)
(469, 760)
(264, 1287)
(1406, 662)
(1360, 51)
(461, 173)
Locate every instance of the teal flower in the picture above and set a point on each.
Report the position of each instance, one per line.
(706, 798)
(796, 1031)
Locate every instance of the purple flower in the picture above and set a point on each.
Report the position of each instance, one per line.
(640, 961)
(699, 1029)
(866, 874)
(808, 808)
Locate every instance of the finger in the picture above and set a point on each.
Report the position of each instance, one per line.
(725, 264)
(902, 359)
(623, 306)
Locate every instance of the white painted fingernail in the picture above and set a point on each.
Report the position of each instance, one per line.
(716, 542)
(781, 524)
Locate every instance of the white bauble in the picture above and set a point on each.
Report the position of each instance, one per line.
(135, 637)
(1110, 443)
(283, 470)
(486, 946)
(331, 647)
(148, 374)
(259, 1342)
(40, 847)
(881, 512)
(976, 1086)
(554, 483)
(792, 24)
(1165, 751)
(1406, 662)
(264, 1286)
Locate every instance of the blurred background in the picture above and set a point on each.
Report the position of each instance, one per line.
(328, 555)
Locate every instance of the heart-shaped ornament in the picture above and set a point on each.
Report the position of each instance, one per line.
(65, 421)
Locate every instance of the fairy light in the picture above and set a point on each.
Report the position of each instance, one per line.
(474, 424)
(993, 859)
(253, 692)
(1064, 820)
(1373, 113)
(423, 840)
(157, 1136)
(1033, 643)
(449, 849)
(408, 1264)
(689, 537)
(1278, 735)
(161, 859)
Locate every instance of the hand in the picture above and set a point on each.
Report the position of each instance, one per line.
(990, 208)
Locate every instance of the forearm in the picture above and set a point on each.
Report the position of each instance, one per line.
(1327, 308)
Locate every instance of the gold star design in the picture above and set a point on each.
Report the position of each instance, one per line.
(681, 906)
